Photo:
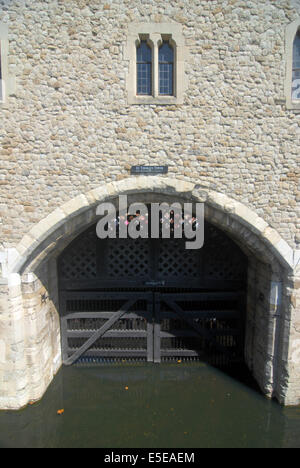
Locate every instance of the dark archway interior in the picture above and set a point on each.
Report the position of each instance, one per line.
(152, 300)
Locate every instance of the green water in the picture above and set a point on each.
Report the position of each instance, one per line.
(150, 406)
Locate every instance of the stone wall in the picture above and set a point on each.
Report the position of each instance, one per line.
(256, 352)
(30, 352)
(13, 373)
(68, 127)
(291, 339)
(68, 139)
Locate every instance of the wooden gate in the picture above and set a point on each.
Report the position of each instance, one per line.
(107, 326)
(151, 299)
(207, 326)
(152, 326)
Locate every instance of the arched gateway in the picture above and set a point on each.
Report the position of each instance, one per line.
(152, 299)
(75, 296)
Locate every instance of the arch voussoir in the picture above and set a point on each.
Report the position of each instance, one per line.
(231, 215)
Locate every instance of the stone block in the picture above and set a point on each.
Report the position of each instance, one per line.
(75, 206)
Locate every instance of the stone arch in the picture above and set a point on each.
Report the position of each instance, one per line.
(31, 282)
(247, 228)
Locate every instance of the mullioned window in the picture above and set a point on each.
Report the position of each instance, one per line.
(156, 53)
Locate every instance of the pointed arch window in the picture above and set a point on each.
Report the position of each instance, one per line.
(144, 69)
(166, 69)
(296, 68)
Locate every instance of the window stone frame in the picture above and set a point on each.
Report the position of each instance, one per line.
(290, 34)
(155, 33)
(8, 82)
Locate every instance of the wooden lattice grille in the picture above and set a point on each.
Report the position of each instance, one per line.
(177, 262)
(128, 258)
(222, 258)
(80, 259)
(152, 299)
(142, 260)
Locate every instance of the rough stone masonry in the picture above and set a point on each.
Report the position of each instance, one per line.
(69, 136)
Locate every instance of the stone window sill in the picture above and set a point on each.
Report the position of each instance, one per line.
(161, 100)
(293, 105)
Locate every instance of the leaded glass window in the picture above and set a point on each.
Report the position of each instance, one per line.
(296, 68)
(166, 69)
(144, 69)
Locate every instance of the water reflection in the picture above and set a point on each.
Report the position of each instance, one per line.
(170, 406)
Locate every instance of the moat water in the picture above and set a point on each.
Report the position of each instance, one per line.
(173, 405)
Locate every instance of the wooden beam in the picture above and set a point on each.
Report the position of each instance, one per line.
(115, 317)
